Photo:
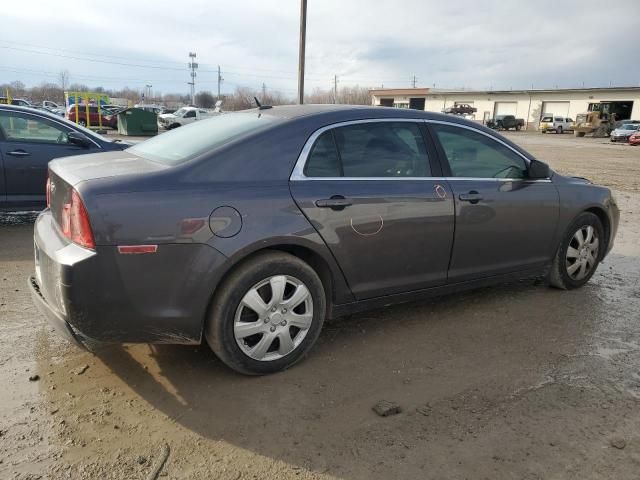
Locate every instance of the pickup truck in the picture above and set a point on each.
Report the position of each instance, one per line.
(183, 116)
(506, 122)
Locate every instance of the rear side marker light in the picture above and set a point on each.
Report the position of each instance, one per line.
(137, 249)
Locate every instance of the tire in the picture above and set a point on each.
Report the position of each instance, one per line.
(559, 131)
(578, 134)
(82, 122)
(259, 353)
(518, 127)
(563, 275)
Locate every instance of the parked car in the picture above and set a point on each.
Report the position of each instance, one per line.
(29, 139)
(109, 119)
(157, 109)
(506, 122)
(634, 139)
(183, 116)
(21, 102)
(274, 218)
(460, 109)
(550, 123)
(622, 133)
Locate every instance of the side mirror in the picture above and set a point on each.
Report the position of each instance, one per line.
(79, 139)
(539, 170)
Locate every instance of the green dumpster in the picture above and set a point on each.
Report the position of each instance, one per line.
(137, 122)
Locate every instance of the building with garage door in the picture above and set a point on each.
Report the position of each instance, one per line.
(530, 105)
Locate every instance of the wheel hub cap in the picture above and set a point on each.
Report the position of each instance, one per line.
(273, 318)
(582, 252)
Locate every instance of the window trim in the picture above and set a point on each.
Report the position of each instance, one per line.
(298, 175)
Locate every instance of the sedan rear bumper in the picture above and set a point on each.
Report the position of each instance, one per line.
(54, 318)
(104, 296)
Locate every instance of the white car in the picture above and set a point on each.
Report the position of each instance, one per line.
(549, 123)
(183, 116)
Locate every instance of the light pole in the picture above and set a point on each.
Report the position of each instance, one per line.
(303, 38)
(148, 86)
(193, 66)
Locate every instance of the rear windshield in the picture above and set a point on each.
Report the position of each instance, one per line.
(184, 143)
(547, 119)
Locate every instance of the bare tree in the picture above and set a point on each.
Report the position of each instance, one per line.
(205, 99)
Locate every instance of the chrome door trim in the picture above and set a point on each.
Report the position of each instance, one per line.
(298, 170)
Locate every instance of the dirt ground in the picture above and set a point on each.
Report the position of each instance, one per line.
(512, 382)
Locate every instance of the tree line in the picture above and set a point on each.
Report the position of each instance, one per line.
(242, 98)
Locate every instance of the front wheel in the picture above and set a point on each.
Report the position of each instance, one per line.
(578, 256)
(559, 131)
(82, 123)
(267, 314)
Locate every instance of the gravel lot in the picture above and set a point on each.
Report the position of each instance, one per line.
(519, 381)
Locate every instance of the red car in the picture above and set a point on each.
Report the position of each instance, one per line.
(108, 120)
(634, 139)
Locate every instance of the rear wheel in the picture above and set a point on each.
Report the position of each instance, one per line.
(267, 314)
(579, 253)
(559, 130)
(82, 122)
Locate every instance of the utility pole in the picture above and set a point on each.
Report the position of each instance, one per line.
(414, 81)
(264, 91)
(335, 89)
(219, 81)
(303, 40)
(193, 66)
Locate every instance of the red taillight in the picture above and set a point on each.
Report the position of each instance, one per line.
(75, 222)
(48, 191)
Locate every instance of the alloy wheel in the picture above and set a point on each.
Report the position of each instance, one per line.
(273, 318)
(582, 252)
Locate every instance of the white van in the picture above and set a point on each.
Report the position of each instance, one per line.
(550, 123)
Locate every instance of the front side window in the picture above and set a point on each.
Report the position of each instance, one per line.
(370, 150)
(21, 128)
(472, 154)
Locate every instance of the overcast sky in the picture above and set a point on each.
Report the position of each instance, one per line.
(453, 43)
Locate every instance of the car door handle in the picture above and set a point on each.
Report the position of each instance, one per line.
(19, 153)
(471, 197)
(337, 202)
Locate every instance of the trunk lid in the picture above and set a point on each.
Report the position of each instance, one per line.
(74, 170)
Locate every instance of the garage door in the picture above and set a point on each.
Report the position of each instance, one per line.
(557, 109)
(505, 108)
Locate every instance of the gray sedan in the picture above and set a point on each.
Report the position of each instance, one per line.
(249, 229)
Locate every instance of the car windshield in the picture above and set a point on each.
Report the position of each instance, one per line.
(629, 126)
(547, 119)
(181, 112)
(185, 143)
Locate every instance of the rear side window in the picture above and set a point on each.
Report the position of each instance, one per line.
(184, 143)
(472, 154)
(370, 150)
(323, 159)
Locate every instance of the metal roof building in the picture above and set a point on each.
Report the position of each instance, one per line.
(527, 104)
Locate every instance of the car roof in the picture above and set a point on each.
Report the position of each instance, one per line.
(338, 113)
